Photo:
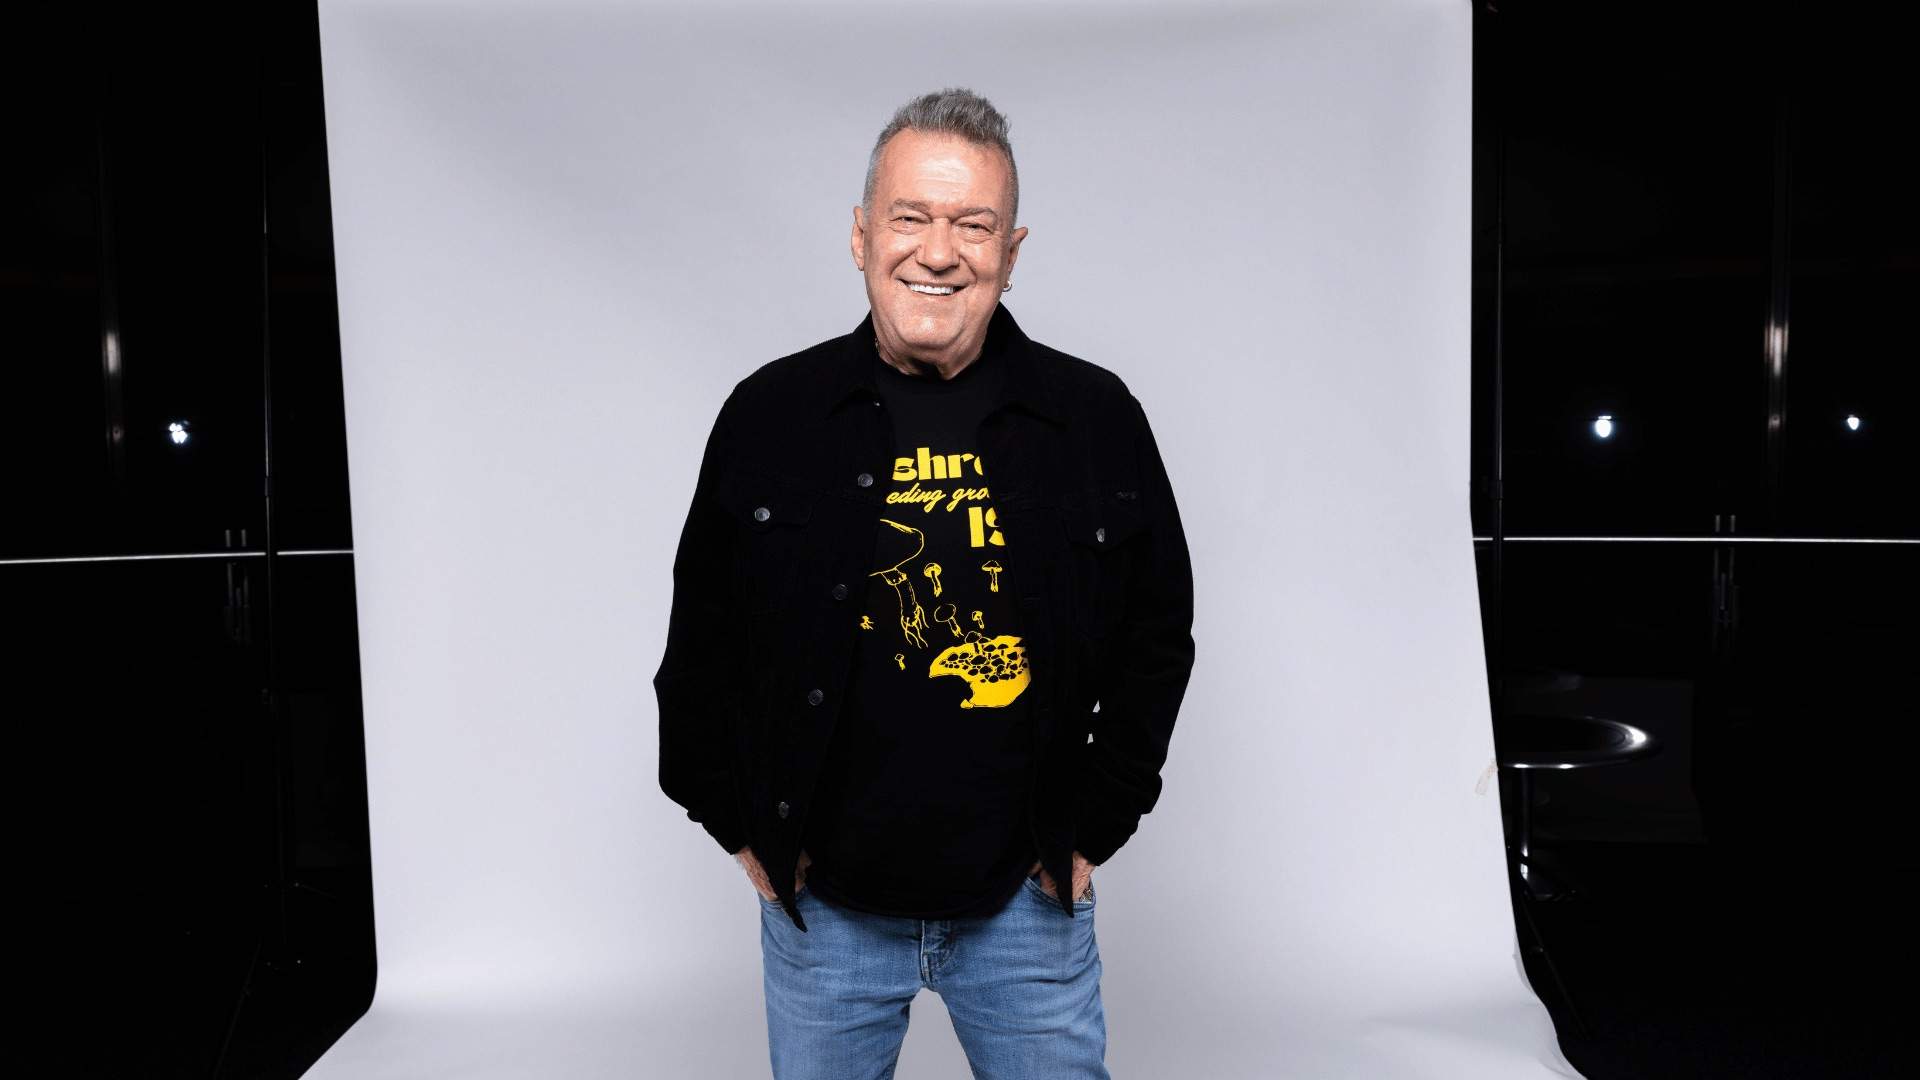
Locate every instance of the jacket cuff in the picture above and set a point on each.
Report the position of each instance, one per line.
(712, 804)
(730, 836)
(1097, 842)
(722, 822)
(1099, 829)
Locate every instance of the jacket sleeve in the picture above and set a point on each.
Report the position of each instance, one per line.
(1145, 676)
(695, 684)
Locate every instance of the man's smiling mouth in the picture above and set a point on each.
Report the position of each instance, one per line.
(933, 290)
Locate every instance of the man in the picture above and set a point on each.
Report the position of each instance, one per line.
(930, 632)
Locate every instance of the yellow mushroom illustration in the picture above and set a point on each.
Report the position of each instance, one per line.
(913, 619)
(992, 566)
(995, 669)
(932, 571)
(946, 613)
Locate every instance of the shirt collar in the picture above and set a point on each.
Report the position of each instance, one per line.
(1029, 377)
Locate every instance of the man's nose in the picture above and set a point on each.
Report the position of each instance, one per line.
(936, 250)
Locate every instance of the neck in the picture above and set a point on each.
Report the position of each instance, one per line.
(926, 369)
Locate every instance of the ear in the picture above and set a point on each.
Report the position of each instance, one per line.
(859, 239)
(1013, 247)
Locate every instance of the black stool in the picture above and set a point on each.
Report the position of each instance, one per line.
(1530, 741)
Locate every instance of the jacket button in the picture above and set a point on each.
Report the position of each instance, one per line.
(1100, 536)
(839, 592)
(760, 513)
(815, 697)
(865, 479)
(781, 809)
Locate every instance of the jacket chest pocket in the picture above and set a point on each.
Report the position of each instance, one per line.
(1105, 528)
(772, 515)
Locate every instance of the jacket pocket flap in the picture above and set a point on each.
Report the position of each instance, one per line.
(1103, 518)
(763, 501)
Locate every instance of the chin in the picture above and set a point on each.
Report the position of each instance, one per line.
(928, 333)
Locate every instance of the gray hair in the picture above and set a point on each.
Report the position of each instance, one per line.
(953, 111)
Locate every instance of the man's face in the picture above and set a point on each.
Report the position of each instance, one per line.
(939, 219)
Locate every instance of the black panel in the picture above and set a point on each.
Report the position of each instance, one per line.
(1699, 220)
(51, 299)
(309, 434)
(192, 768)
(183, 165)
(1854, 238)
(1638, 216)
(147, 771)
(152, 277)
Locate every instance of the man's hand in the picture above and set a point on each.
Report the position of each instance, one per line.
(1082, 876)
(758, 874)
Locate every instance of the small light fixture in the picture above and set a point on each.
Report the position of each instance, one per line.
(1853, 422)
(1603, 426)
(177, 431)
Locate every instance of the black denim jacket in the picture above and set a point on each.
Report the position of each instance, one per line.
(781, 536)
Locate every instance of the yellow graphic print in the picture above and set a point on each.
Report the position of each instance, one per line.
(994, 666)
(996, 669)
(913, 618)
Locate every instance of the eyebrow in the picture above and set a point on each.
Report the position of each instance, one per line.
(915, 204)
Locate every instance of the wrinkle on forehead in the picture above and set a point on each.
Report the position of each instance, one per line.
(946, 169)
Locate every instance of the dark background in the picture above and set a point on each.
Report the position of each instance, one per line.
(180, 640)
(1700, 220)
(1699, 223)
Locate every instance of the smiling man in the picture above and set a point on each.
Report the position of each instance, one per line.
(937, 248)
(930, 632)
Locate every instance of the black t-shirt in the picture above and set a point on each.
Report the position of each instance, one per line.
(922, 806)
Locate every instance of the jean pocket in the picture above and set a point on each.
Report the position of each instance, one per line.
(774, 903)
(1040, 893)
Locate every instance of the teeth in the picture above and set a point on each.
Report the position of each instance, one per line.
(932, 290)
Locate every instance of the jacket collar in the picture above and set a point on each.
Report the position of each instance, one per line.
(848, 368)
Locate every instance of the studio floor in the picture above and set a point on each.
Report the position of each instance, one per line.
(1675, 962)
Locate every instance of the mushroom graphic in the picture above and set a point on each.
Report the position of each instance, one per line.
(932, 572)
(995, 669)
(900, 659)
(913, 618)
(945, 614)
(979, 619)
(992, 566)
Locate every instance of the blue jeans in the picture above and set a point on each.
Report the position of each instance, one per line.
(1022, 987)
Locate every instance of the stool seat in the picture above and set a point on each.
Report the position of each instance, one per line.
(1526, 741)
(1532, 741)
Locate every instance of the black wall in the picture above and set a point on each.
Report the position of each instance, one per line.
(1700, 219)
(180, 635)
(1700, 224)
(1704, 225)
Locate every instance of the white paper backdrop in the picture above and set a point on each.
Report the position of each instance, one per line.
(556, 225)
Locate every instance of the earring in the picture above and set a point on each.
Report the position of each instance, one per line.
(1008, 287)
